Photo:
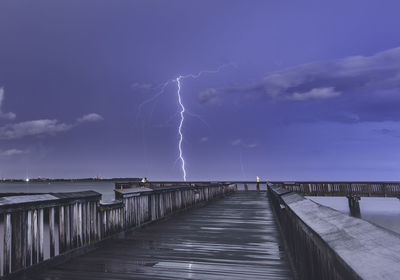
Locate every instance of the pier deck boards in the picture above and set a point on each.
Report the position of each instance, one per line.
(232, 238)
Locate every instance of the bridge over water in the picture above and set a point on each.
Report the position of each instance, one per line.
(200, 230)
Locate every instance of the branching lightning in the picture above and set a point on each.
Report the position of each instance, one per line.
(182, 110)
(178, 81)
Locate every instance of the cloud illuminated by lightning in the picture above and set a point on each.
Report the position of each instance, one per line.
(182, 110)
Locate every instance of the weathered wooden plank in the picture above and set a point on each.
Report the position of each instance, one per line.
(74, 223)
(52, 231)
(120, 220)
(16, 241)
(68, 226)
(61, 229)
(41, 234)
(186, 247)
(79, 225)
(7, 244)
(104, 225)
(99, 225)
(109, 222)
(83, 223)
(23, 227)
(88, 222)
(28, 258)
(112, 220)
(369, 189)
(95, 228)
(35, 240)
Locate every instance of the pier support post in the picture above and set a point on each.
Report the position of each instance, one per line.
(354, 205)
(258, 186)
(246, 187)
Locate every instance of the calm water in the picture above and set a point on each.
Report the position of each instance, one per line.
(381, 211)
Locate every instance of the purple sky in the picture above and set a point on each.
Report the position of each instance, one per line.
(311, 90)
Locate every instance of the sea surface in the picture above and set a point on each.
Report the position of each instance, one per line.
(382, 211)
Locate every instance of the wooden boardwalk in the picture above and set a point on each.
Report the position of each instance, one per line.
(232, 238)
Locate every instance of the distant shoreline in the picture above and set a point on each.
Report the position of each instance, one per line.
(46, 180)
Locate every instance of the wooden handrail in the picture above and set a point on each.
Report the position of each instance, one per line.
(64, 222)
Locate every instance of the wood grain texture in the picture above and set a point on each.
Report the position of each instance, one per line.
(232, 238)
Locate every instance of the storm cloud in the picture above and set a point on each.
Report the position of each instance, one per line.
(209, 96)
(325, 80)
(9, 115)
(42, 127)
(93, 117)
(12, 152)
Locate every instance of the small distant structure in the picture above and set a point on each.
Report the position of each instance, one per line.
(144, 180)
(258, 184)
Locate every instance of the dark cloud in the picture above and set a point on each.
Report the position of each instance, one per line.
(93, 117)
(12, 152)
(324, 80)
(241, 143)
(9, 115)
(143, 86)
(384, 131)
(349, 90)
(387, 132)
(31, 128)
(42, 127)
(209, 96)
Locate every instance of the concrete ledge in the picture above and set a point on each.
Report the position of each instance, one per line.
(327, 244)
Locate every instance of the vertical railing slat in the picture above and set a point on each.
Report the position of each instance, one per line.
(61, 229)
(7, 244)
(41, 234)
(28, 258)
(52, 231)
(35, 236)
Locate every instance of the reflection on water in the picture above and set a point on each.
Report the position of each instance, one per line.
(382, 211)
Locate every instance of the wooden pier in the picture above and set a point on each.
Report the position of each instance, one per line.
(233, 238)
(359, 189)
(41, 227)
(196, 230)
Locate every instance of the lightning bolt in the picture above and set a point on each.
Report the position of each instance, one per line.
(182, 110)
(178, 82)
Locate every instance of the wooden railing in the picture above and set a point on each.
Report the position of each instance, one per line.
(379, 189)
(42, 226)
(111, 216)
(242, 185)
(37, 227)
(323, 243)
